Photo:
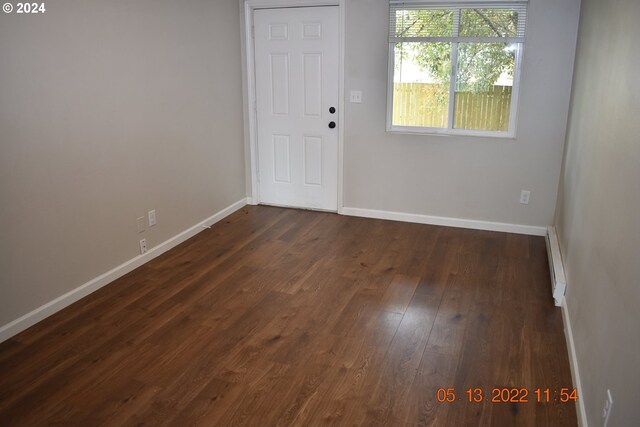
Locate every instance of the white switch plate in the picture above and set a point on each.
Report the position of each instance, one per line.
(140, 224)
(524, 197)
(152, 218)
(356, 96)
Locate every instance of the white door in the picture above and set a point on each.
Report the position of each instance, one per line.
(296, 60)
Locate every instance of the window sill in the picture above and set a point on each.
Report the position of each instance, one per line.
(411, 130)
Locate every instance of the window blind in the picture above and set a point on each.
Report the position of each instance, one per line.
(456, 21)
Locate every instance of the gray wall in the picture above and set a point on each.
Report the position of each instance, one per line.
(598, 216)
(109, 109)
(460, 177)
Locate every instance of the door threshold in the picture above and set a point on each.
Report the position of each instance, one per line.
(300, 208)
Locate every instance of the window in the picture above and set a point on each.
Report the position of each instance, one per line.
(454, 67)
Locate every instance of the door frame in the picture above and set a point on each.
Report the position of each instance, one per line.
(249, 86)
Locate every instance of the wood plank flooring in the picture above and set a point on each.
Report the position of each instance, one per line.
(285, 317)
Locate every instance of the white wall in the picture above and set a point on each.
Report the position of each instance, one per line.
(598, 216)
(109, 109)
(460, 177)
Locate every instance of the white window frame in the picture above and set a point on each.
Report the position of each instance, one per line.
(450, 130)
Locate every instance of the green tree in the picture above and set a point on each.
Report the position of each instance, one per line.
(479, 64)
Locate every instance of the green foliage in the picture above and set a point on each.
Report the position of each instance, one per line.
(479, 64)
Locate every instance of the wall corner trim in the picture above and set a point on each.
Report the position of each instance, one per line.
(573, 363)
(446, 221)
(13, 328)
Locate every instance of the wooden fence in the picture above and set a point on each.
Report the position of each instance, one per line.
(425, 104)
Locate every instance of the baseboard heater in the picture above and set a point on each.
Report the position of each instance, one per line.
(556, 268)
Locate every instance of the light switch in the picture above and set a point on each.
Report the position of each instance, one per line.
(356, 96)
(152, 218)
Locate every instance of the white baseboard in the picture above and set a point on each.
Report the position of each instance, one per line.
(573, 363)
(46, 310)
(445, 221)
(556, 266)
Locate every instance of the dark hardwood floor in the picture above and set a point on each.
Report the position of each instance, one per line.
(285, 317)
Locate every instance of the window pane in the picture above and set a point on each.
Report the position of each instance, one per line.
(421, 84)
(488, 23)
(424, 23)
(484, 83)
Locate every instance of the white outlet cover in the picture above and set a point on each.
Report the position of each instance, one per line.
(143, 246)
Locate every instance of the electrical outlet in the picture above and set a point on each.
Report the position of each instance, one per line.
(606, 410)
(152, 218)
(140, 224)
(143, 246)
(356, 96)
(524, 197)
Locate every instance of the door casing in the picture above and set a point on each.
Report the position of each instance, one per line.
(250, 81)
